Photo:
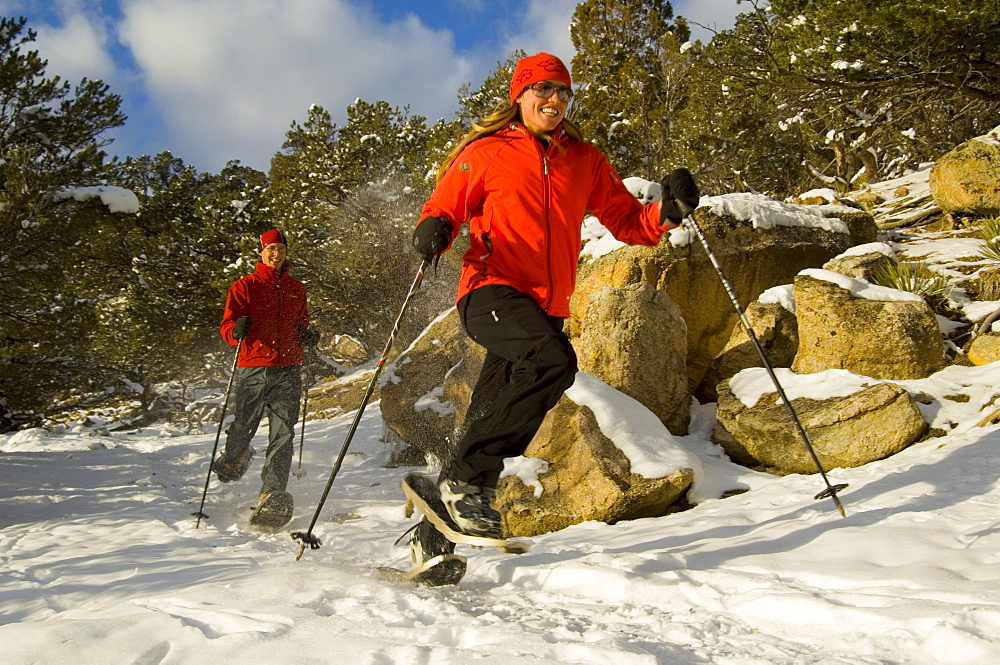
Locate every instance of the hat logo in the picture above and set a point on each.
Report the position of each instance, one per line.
(552, 65)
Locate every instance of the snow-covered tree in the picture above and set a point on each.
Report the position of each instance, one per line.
(874, 87)
(51, 141)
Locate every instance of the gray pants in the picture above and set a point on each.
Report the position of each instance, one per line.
(275, 390)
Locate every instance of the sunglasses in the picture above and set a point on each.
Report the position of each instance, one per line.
(545, 90)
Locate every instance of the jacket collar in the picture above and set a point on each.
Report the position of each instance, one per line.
(558, 134)
(269, 274)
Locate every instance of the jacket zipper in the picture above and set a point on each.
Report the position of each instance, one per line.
(277, 342)
(546, 203)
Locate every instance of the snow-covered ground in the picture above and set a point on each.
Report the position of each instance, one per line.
(100, 561)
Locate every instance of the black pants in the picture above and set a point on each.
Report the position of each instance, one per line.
(275, 390)
(529, 364)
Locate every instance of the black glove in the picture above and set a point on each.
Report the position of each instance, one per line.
(680, 196)
(309, 336)
(242, 327)
(431, 237)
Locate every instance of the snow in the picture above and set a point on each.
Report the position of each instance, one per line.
(869, 248)
(783, 295)
(860, 288)
(767, 213)
(751, 384)
(762, 211)
(100, 561)
(991, 138)
(117, 199)
(651, 450)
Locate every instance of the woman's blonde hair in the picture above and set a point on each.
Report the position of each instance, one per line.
(502, 117)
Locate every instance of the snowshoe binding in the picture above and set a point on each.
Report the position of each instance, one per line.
(273, 511)
(434, 561)
(423, 494)
(470, 508)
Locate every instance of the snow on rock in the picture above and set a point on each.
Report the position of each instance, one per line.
(768, 213)
(783, 294)
(652, 450)
(859, 288)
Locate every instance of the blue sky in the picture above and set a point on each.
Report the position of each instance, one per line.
(216, 80)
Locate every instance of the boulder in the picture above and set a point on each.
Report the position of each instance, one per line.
(776, 329)
(587, 478)
(874, 331)
(984, 350)
(860, 223)
(635, 340)
(967, 179)
(333, 397)
(863, 261)
(346, 350)
(845, 431)
(412, 400)
(769, 249)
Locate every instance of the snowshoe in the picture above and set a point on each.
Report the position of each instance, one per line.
(422, 494)
(442, 570)
(229, 470)
(470, 508)
(273, 511)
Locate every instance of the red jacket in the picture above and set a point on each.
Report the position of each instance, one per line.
(277, 305)
(525, 204)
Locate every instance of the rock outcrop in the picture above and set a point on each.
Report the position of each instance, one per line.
(967, 179)
(874, 331)
(846, 431)
(635, 340)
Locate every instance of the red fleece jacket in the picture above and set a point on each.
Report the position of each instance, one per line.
(277, 305)
(525, 203)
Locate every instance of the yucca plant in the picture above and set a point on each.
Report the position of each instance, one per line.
(989, 277)
(918, 279)
(989, 233)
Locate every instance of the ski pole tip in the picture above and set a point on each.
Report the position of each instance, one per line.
(831, 493)
(306, 538)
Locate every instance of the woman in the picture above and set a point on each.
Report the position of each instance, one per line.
(524, 180)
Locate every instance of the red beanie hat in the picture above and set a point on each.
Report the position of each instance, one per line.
(535, 68)
(272, 236)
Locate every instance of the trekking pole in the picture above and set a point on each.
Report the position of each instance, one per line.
(307, 537)
(300, 472)
(831, 490)
(218, 433)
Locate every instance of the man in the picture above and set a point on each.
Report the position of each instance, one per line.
(266, 315)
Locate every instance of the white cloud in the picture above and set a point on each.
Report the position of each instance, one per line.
(227, 77)
(230, 76)
(77, 50)
(545, 27)
(74, 50)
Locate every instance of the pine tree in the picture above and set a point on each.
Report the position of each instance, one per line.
(632, 79)
(50, 142)
(164, 273)
(349, 197)
(873, 87)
